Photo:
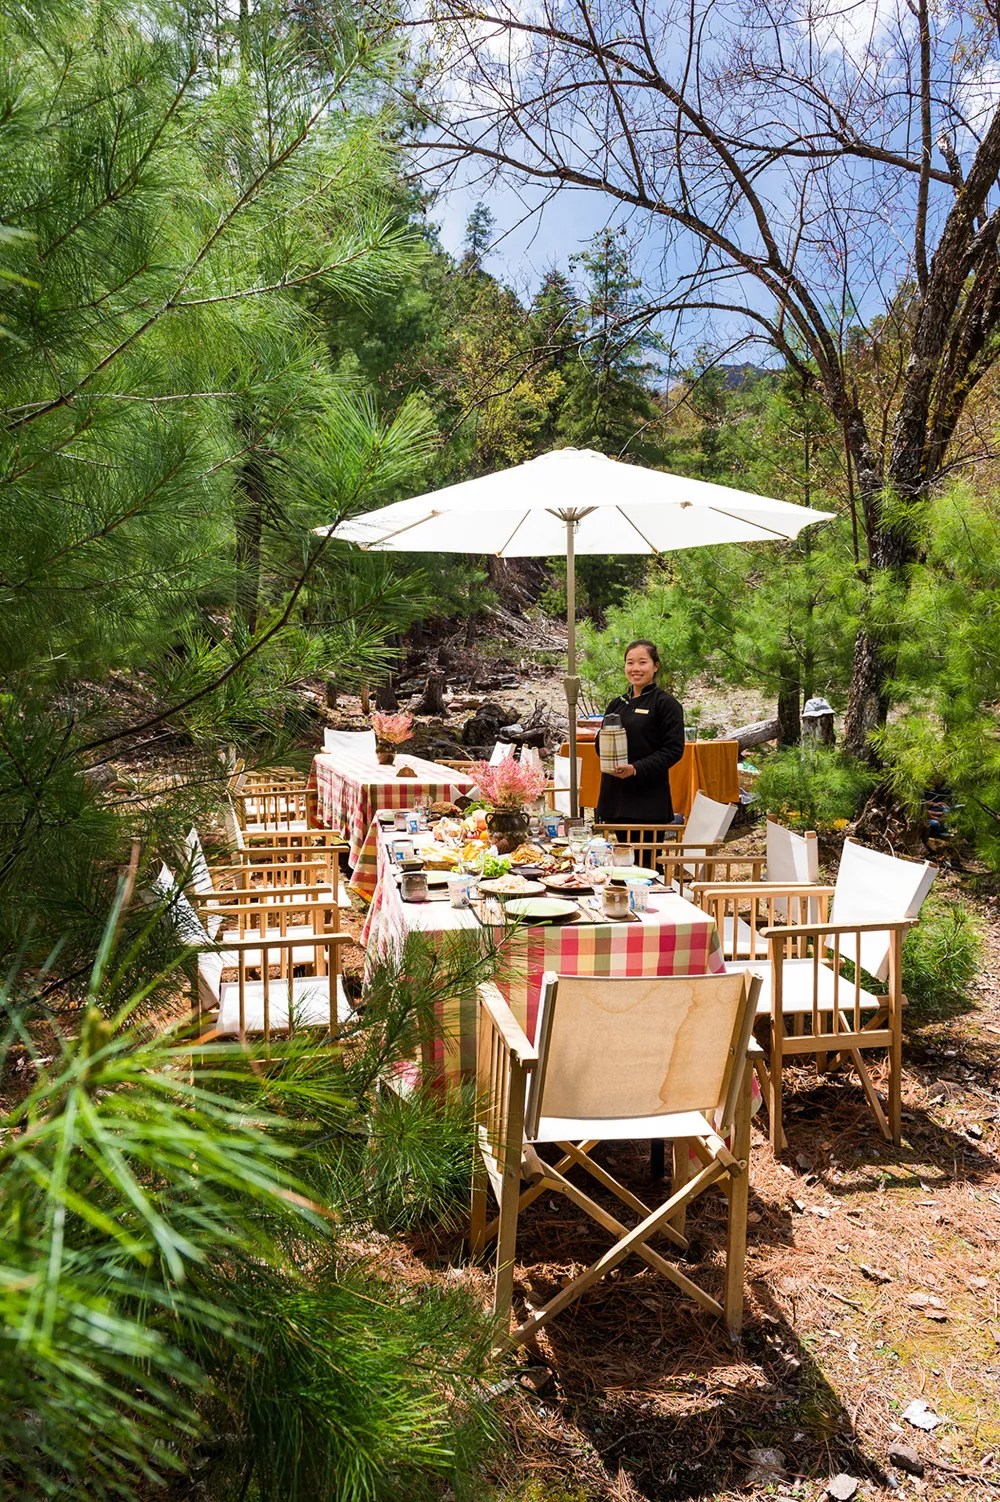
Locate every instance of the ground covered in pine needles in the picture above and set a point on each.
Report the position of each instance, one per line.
(873, 1283)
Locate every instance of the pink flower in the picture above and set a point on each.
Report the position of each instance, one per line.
(394, 728)
(512, 784)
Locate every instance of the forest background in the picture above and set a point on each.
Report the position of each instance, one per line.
(226, 318)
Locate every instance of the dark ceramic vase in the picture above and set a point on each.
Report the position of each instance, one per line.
(508, 827)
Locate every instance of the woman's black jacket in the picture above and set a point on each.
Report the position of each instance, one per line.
(654, 727)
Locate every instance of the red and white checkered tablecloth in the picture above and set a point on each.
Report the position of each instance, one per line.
(673, 938)
(349, 787)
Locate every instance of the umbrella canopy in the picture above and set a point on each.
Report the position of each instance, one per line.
(575, 501)
(617, 508)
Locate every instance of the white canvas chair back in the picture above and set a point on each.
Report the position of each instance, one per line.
(560, 781)
(708, 822)
(190, 930)
(531, 756)
(792, 858)
(361, 741)
(233, 831)
(500, 752)
(201, 877)
(872, 886)
(613, 1050)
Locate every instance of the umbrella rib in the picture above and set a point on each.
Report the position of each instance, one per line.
(635, 529)
(735, 517)
(501, 550)
(388, 536)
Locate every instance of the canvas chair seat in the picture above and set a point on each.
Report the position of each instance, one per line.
(797, 988)
(310, 1004)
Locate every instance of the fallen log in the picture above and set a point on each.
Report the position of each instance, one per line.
(755, 734)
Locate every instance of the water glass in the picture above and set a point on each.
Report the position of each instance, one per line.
(624, 855)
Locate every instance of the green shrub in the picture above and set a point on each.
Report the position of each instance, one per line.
(941, 958)
(809, 788)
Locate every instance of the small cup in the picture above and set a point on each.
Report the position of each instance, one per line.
(460, 890)
(402, 850)
(412, 821)
(399, 820)
(413, 887)
(615, 901)
(638, 896)
(622, 855)
(552, 825)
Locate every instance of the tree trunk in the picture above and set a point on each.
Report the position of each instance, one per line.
(332, 693)
(756, 734)
(385, 697)
(789, 706)
(433, 699)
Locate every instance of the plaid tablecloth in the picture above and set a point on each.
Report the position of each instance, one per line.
(349, 786)
(673, 938)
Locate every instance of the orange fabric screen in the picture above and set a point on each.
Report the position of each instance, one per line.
(710, 767)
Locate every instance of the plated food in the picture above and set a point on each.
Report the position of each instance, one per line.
(511, 885)
(529, 855)
(568, 881)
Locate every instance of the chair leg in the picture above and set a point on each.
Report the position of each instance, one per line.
(895, 1082)
(477, 1209)
(774, 1084)
(503, 1293)
(656, 1158)
(681, 1174)
(736, 1222)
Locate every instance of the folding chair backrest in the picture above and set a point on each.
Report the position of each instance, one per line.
(791, 858)
(531, 756)
(871, 886)
(560, 780)
(500, 752)
(651, 1046)
(708, 822)
(201, 877)
(233, 831)
(362, 741)
(190, 930)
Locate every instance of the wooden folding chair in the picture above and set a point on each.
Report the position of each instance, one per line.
(261, 1001)
(658, 1058)
(273, 866)
(813, 998)
(279, 842)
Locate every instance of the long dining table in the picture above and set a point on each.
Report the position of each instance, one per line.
(346, 787)
(673, 938)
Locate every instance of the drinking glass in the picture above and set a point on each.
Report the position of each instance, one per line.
(624, 855)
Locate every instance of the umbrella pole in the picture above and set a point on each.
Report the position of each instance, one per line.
(571, 681)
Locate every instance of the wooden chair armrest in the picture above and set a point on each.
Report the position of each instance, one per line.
(674, 849)
(241, 868)
(762, 889)
(257, 943)
(258, 897)
(506, 1024)
(816, 930)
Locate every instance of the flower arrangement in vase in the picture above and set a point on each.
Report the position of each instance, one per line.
(509, 787)
(391, 730)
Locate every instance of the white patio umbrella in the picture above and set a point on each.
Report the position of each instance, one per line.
(574, 501)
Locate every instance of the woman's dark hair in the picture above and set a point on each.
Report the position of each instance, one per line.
(651, 648)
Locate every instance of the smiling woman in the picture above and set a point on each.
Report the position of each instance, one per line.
(653, 721)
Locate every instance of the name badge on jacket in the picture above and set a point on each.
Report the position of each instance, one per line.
(642, 711)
